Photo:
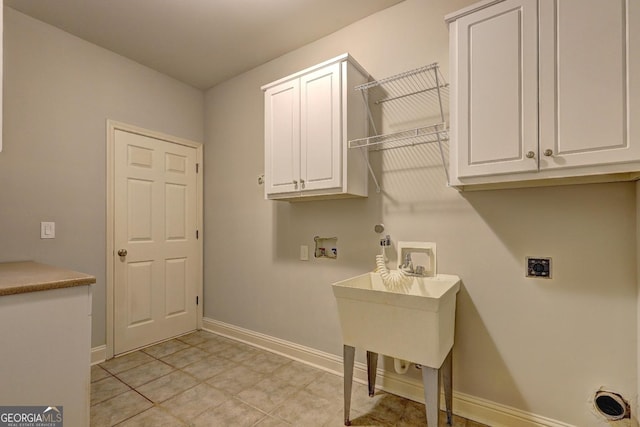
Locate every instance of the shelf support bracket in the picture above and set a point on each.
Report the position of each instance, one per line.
(365, 99)
(373, 175)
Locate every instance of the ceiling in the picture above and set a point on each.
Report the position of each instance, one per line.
(200, 42)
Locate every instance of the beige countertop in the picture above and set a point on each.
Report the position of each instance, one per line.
(29, 276)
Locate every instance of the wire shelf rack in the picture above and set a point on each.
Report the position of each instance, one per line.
(414, 101)
(406, 138)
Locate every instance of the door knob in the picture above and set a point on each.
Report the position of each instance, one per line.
(531, 155)
(122, 252)
(548, 152)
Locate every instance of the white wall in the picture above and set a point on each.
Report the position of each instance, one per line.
(539, 346)
(58, 93)
(638, 294)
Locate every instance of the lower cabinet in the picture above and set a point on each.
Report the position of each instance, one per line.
(46, 351)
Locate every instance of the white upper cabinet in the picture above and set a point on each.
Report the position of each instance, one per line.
(282, 130)
(498, 54)
(320, 129)
(584, 70)
(545, 89)
(309, 117)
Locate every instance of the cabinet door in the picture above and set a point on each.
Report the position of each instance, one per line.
(282, 138)
(585, 60)
(320, 128)
(497, 89)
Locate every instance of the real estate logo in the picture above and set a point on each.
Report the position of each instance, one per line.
(31, 416)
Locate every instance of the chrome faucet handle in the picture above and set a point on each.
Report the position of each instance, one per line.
(407, 266)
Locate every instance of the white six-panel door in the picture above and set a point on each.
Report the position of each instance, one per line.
(155, 222)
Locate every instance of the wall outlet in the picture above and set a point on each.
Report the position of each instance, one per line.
(47, 230)
(539, 267)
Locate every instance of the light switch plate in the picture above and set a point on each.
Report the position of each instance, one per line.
(304, 253)
(47, 230)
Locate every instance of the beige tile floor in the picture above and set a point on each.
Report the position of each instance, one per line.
(203, 379)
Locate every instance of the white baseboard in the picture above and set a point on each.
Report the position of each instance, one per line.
(467, 406)
(98, 354)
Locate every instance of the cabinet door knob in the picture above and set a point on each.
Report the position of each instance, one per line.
(548, 152)
(122, 252)
(295, 184)
(302, 183)
(531, 155)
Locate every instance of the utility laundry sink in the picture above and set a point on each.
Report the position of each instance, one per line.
(414, 323)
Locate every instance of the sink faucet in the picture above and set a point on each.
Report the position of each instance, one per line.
(408, 268)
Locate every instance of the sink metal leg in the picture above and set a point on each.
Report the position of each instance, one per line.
(431, 382)
(372, 367)
(348, 359)
(446, 371)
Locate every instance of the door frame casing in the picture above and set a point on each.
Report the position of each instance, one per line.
(112, 127)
